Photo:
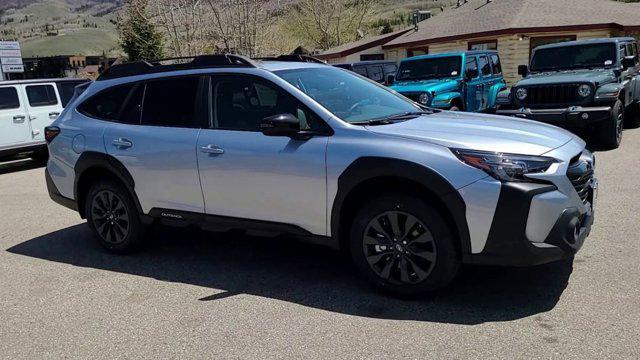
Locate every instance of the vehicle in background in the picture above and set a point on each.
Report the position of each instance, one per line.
(26, 108)
(224, 142)
(460, 81)
(376, 70)
(591, 86)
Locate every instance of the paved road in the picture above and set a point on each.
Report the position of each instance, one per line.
(208, 295)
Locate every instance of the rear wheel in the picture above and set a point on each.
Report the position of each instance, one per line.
(609, 132)
(403, 246)
(113, 217)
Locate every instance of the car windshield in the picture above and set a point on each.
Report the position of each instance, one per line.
(348, 96)
(431, 68)
(574, 57)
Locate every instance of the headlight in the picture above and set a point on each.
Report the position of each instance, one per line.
(521, 94)
(424, 99)
(584, 90)
(505, 167)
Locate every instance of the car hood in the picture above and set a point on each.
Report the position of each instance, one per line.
(435, 85)
(572, 76)
(480, 132)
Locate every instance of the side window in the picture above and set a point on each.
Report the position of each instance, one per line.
(66, 90)
(375, 73)
(472, 67)
(41, 95)
(9, 98)
(171, 102)
(485, 68)
(106, 105)
(495, 64)
(635, 52)
(360, 70)
(390, 69)
(242, 104)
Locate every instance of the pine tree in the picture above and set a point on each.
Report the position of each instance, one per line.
(139, 38)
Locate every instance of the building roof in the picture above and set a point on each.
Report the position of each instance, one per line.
(478, 18)
(359, 45)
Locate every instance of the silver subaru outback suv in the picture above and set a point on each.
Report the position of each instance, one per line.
(224, 142)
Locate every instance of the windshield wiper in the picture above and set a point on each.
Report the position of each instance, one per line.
(394, 118)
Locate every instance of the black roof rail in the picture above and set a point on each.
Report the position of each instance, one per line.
(293, 58)
(180, 63)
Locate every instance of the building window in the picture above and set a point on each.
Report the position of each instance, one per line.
(534, 42)
(369, 57)
(483, 45)
(417, 52)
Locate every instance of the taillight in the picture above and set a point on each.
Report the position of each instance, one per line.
(50, 133)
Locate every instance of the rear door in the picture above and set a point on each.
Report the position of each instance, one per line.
(473, 91)
(43, 107)
(14, 126)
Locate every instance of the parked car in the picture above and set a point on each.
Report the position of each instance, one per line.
(376, 70)
(591, 86)
(467, 81)
(26, 107)
(321, 153)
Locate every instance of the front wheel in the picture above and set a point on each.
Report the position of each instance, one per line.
(113, 217)
(609, 132)
(403, 246)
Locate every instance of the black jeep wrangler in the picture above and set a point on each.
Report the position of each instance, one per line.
(590, 86)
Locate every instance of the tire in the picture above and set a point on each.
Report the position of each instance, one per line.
(396, 265)
(113, 217)
(609, 132)
(454, 108)
(632, 119)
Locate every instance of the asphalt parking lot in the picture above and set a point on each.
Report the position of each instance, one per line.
(208, 295)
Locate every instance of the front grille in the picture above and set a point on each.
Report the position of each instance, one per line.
(580, 173)
(553, 95)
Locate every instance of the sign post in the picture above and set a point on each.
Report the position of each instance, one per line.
(10, 59)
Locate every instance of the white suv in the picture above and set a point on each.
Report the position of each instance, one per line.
(308, 149)
(26, 108)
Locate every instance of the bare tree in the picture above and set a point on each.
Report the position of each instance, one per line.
(327, 23)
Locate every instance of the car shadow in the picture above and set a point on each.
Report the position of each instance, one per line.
(285, 269)
(8, 167)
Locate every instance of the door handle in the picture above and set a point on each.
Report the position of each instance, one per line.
(122, 143)
(212, 149)
(54, 115)
(32, 117)
(18, 119)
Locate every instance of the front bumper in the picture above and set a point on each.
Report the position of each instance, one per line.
(514, 238)
(571, 117)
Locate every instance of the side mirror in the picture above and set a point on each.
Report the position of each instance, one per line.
(390, 79)
(471, 74)
(280, 125)
(523, 70)
(628, 62)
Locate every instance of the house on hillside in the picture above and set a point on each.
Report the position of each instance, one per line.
(513, 27)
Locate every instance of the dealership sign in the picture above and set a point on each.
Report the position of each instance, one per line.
(10, 57)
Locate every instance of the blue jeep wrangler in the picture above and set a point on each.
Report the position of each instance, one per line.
(467, 81)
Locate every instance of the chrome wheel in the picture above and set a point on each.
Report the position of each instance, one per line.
(399, 248)
(110, 217)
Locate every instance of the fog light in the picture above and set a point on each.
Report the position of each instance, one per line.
(585, 116)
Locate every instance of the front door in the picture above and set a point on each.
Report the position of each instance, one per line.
(487, 78)
(158, 147)
(43, 107)
(245, 174)
(473, 85)
(14, 125)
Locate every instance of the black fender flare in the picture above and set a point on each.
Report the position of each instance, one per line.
(369, 168)
(91, 160)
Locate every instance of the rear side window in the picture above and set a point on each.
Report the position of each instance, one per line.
(390, 69)
(171, 102)
(495, 64)
(66, 90)
(107, 104)
(375, 73)
(41, 95)
(485, 68)
(9, 98)
(360, 70)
